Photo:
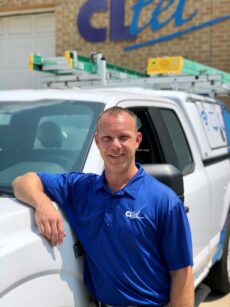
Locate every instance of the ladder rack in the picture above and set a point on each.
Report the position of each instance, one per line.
(81, 67)
(171, 73)
(180, 65)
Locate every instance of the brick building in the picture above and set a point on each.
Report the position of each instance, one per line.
(127, 32)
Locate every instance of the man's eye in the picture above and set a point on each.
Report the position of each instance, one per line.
(106, 139)
(124, 138)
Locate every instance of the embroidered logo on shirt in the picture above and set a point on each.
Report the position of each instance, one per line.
(133, 215)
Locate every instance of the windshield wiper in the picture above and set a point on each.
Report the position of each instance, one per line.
(6, 191)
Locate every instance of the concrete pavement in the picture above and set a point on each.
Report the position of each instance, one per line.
(217, 301)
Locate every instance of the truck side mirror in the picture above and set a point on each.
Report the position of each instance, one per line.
(169, 175)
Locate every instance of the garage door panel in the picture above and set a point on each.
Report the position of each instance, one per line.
(18, 53)
(45, 24)
(2, 54)
(19, 80)
(2, 28)
(43, 47)
(19, 25)
(19, 58)
(19, 36)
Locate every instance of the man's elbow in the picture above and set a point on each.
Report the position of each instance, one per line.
(21, 182)
(16, 183)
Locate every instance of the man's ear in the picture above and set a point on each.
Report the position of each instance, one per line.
(96, 138)
(138, 138)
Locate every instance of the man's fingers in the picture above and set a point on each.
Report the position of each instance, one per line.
(50, 226)
(48, 230)
(61, 233)
(41, 228)
(54, 234)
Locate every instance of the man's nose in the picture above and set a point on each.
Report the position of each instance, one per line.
(116, 142)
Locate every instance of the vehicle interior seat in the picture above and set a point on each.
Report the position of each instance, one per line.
(50, 135)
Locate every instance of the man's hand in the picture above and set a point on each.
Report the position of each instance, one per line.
(29, 189)
(50, 224)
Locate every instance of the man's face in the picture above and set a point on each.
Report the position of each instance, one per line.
(117, 140)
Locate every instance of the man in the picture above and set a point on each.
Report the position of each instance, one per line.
(133, 229)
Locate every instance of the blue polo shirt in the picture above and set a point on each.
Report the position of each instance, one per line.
(131, 238)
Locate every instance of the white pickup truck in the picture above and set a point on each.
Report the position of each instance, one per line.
(186, 144)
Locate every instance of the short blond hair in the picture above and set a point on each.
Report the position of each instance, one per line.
(117, 111)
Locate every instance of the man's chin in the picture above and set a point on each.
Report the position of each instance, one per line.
(117, 167)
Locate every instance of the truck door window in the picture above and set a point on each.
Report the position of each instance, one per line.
(179, 141)
(149, 150)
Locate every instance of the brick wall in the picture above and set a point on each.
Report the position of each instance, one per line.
(210, 46)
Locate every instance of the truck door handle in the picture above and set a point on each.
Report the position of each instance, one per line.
(186, 209)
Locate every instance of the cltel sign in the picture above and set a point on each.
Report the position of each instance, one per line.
(120, 31)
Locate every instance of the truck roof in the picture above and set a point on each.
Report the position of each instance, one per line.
(105, 95)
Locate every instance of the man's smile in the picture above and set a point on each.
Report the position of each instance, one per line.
(115, 156)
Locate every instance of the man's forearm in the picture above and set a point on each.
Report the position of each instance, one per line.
(182, 288)
(28, 189)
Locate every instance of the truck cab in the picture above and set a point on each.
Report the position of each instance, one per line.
(185, 144)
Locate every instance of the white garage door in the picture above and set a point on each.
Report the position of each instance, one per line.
(19, 36)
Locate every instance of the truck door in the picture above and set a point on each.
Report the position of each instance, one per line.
(216, 161)
(165, 141)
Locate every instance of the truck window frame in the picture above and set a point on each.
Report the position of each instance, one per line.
(156, 133)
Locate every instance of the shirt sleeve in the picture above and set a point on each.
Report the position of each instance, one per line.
(176, 236)
(58, 186)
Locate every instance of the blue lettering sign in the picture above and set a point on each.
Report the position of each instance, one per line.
(177, 34)
(137, 8)
(120, 31)
(154, 23)
(85, 14)
(178, 16)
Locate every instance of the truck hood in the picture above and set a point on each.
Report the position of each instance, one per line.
(25, 254)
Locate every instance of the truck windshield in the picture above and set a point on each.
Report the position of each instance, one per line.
(47, 135)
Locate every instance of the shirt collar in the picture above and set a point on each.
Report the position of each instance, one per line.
(131, 188)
